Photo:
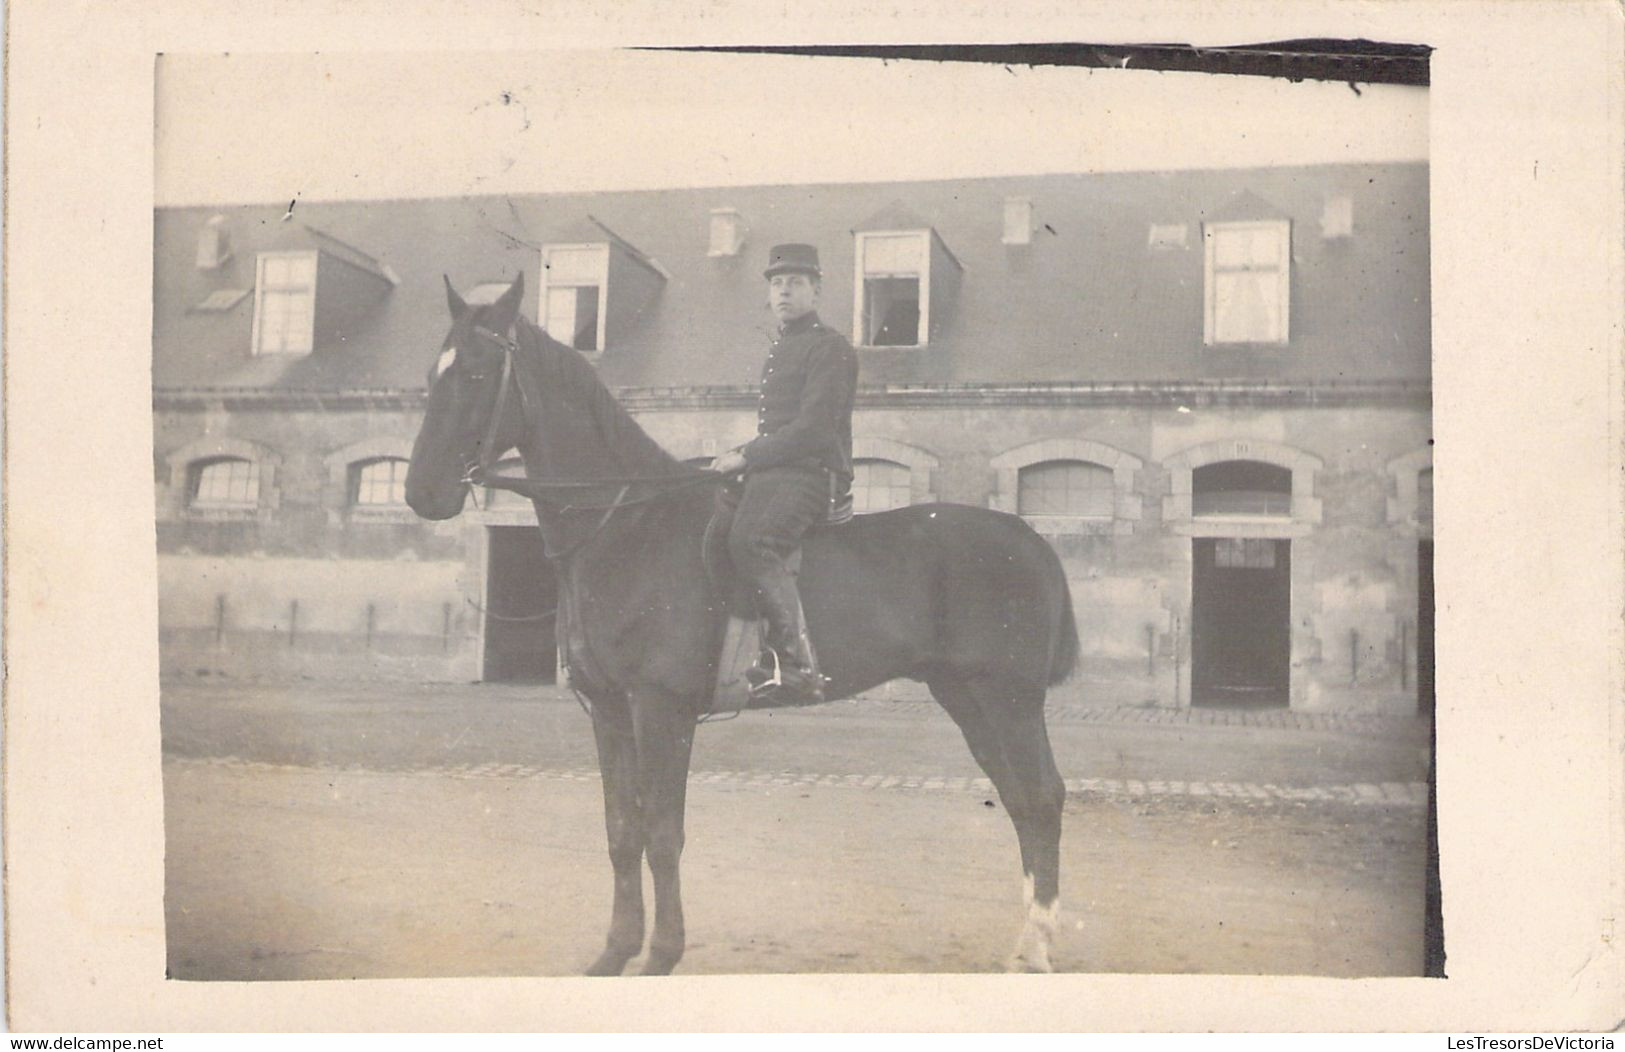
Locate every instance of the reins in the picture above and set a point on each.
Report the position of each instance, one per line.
(482, 473)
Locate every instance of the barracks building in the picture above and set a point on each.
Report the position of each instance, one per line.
(1209, 390)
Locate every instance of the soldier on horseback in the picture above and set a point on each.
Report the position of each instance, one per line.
(797, 471)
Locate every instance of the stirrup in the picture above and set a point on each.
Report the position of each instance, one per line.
(763, 679)
(805, 685)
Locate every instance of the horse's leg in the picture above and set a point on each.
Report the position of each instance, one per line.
(623, 821)
(1027, 748)
(1006, 734)
(665, 741)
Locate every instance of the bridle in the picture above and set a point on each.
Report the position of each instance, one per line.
(481, 472)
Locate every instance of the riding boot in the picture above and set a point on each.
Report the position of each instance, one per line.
(789, 672)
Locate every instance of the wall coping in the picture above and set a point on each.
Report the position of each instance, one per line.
(1192, 394)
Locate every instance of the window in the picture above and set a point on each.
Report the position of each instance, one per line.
(1424, 496)
(1248, 282)
(225, 482)
(379, 483)
(1244, 553)
(880, 485)
(1241, 487)
(1066, 487)
(894, 290)
(285, 303)
(574, 281)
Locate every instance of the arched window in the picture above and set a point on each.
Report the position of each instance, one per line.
(1243, 488)
(1066, 487)
(380, 482)
(880, 485)
(224, 482)
(1268, 486)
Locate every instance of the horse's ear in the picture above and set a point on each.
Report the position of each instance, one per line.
(458, 307)
(506, 308)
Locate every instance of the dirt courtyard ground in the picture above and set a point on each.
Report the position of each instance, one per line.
(374, 832)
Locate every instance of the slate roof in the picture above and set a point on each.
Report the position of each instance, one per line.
(1088, 300)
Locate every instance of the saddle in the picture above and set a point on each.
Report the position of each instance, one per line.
(737, 594)
(742, 636)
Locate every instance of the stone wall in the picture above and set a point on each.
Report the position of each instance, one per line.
(381, 593)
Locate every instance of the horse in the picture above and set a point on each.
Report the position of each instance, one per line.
(970, 601)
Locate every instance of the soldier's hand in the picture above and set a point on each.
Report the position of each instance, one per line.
(729, 463)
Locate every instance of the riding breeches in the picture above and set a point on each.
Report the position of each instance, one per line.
(770, 513)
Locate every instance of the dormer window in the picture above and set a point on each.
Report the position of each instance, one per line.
(904, 280)
(575, 280)
(1248, 286)
(894, 288)
(285, 303)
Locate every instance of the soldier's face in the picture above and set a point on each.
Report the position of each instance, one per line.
(790, 296)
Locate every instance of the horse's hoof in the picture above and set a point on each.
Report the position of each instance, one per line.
(661, 963)
(609, 963)
(1032, 965)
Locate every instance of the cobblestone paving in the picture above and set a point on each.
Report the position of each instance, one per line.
(1054, 713)
(1367, 794)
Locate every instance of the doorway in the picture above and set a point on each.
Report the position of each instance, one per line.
(1424, 627)
(1240, 621)
(521, 596)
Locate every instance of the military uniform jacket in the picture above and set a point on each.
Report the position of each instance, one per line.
(804, 416)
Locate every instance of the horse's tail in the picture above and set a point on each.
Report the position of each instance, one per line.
(1064, 659)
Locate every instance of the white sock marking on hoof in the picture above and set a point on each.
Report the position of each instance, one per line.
(1037, 932)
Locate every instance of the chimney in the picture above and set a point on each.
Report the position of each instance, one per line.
(1018, 220)
(727, 232)
(213, 244)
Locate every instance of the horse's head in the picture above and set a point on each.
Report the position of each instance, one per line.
(464, 384)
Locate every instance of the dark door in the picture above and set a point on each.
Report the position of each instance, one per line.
(1240, 621)
(1424, 626)
(520, 598)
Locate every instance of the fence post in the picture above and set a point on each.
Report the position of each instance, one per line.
(220, 620)
(1354, 656)
(293, 622)
(372, 614)
(1404, 655)
(1179, 657)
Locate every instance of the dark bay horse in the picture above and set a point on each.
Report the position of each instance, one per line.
(970, 601)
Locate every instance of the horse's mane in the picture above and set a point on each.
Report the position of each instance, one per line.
(573, 380)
